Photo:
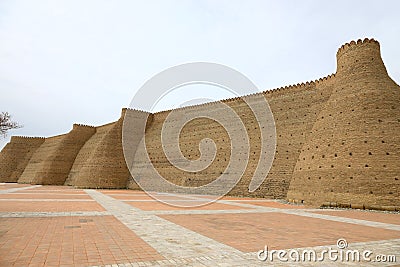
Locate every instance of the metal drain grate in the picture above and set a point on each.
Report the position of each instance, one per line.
(85, 220)
(71, 226)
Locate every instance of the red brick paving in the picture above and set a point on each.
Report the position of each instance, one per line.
(162, 206)
(53, 187)
(251, 232)
(53, 192)
(273, 204)
(144, 197)
(75, 241)
(43, 196)
(10, 186)
(48, 206)
(233, 198)
(104, 240)
(122, 191)
(364, 215)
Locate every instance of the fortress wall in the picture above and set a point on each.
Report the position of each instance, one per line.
(86, 153)
(352, 154)
(189, 139)
(15, 156)
(38, 161)
(101, 163)
(53, 160)
(295, 109)
(337, 142)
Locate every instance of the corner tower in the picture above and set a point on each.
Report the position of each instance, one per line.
(351, 155)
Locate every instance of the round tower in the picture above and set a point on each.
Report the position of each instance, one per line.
(351, 155)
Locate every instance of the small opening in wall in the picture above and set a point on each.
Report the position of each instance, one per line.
(351, 154)
(387, 153)
(366, 165)
(335, 155)
(369, 153)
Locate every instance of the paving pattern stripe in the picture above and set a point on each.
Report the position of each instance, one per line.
(232, 211)
(52, 214)
(385, 247)
(10, 190)
(304, 213)
(345, 220)
(41, 192)
(46, 199)
(169, 239)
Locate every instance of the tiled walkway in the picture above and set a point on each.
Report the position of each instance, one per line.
(63, 226)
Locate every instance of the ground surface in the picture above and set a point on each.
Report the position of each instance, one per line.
(63, 226)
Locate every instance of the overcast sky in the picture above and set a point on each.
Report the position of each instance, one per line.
(65, 62)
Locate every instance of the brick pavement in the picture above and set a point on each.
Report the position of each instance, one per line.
(63, 226)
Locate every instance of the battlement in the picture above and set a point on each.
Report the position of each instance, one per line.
(353, 44)
(23, 138)
(77, 125)
(360, 58)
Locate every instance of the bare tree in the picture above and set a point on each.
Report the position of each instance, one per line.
(6, 124)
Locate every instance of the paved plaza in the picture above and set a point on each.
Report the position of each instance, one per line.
(64, 226)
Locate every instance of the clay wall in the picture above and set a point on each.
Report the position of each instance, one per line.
(337, 142)
(351, 157)
(52, 161)
(16, 155)
(100, 163)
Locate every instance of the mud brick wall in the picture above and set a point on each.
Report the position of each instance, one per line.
(100, 163)
(52, 161)
(295, 109)
(16, 155)
(352, 155)
(338, 142)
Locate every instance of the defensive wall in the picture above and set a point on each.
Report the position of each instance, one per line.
(337, 142)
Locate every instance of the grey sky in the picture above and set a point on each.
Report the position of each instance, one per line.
(65, 62)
